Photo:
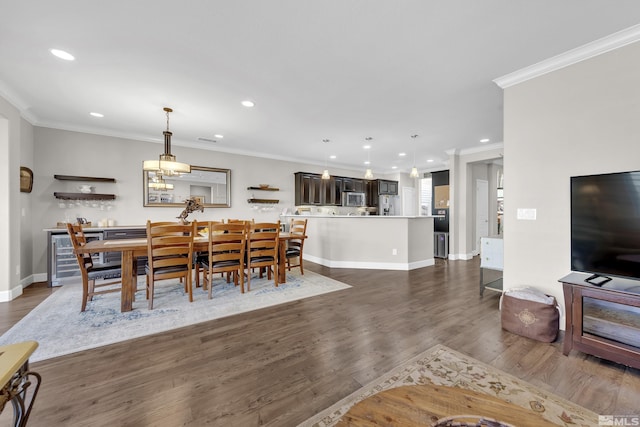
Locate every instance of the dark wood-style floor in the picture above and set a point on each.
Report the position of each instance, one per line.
(280, 365)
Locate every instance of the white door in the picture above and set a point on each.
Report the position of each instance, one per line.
(482, 211)
(408, 201)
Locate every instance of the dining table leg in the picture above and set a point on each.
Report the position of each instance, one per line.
(128, 282)
(282, 262)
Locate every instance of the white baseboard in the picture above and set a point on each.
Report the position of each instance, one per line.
(39, 277)
(11, 294)
(463, 257)
(370, 265)
(16, 291)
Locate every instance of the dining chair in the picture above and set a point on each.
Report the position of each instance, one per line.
(169, 255)
(91, 271)
(201, 256)
(262, 249)
(235, 220)
(297, 227)
(226, 254)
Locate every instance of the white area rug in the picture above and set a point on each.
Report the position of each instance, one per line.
(60, 328)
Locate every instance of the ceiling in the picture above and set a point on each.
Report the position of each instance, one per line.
(342, 70)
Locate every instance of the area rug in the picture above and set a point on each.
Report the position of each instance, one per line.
(443, 366)
(60, 328)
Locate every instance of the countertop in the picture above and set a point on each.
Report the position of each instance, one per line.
(96, 228)
(362, 216)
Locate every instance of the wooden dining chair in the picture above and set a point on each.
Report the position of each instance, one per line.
(262, 249)
(297, 227)
(169, 255)
(226, 254)
(201, 256)
(91, 271)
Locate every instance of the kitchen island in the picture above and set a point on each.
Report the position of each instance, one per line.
(371, 242)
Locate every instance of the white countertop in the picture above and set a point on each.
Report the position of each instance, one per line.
(361, 216)
(96, 228)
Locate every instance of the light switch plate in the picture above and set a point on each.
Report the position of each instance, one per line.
(527, 214)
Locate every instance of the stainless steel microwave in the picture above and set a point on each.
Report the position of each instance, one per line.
(353, 199)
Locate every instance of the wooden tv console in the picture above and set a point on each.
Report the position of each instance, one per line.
(603, 320)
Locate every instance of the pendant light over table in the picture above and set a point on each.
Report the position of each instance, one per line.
(166, 165)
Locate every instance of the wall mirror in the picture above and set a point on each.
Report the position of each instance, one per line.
(212, 186)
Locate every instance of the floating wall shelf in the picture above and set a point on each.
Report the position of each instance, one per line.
(263, 188)
(84, 196)
(265, 201)
(83, 178)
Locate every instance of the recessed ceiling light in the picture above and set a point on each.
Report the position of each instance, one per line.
(394, 167)
(333, 156)
(484, 140)
(94, 114)
(366, 147)
(430, 161)
(402, 154)
(62, 54)
(219, 136)
(248, 103)
(366, 162)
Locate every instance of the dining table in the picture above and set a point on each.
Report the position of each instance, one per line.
(131, 249)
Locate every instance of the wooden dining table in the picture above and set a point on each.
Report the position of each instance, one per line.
(131, 249)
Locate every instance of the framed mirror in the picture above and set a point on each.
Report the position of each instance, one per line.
(212, 186)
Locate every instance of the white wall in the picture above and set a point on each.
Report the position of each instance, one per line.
(10, 201)
(582, 119)
(73, 153)
(26, 206)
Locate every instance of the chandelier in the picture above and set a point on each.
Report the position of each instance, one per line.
(166, 164)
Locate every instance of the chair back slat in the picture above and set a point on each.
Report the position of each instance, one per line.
(169, 253)
(263, 247)
(227, 243)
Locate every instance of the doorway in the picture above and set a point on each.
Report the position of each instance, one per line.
(482, 211)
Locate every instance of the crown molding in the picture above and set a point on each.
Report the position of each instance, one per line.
(14, 99)
(481, 148)
(589, 50)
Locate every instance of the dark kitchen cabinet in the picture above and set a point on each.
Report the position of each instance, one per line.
(307, 188)
(311, 189)
(354, 184)
(388, 187)
(371, 190)
(337, 183)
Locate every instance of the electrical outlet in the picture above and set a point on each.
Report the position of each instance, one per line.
(394, 251)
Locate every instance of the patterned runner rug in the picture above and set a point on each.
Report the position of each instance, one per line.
(60, 328)
(443, 366)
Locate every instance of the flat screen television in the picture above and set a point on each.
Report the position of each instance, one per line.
(605, 225)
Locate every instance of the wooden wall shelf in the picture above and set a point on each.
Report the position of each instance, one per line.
(263, 188)
(84, 196)
(264, 201)
(83, 178)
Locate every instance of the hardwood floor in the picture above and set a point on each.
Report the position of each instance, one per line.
(280, 365)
